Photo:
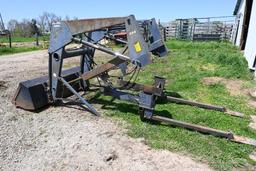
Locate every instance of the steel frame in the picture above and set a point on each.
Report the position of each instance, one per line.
(143, 39)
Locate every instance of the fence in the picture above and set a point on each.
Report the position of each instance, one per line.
(208, 28)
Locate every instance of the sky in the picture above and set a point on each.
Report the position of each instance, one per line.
(165, 10)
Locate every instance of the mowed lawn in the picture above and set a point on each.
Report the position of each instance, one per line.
(185, 67)
(5, 50)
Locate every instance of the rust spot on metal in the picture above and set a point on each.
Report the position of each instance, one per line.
(85, 25)
(102, 69)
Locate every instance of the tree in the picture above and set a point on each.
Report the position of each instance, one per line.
(46, 21)
(42, 21)
(25, 28)
(28, 28)
(52, 18)
(12, 25)
(67, 18)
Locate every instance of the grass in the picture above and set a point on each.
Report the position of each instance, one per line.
(5, 39)
(7, 50)
(184, 68)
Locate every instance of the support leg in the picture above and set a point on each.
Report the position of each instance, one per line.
(90, 107)
(206, 130)
(204, 106)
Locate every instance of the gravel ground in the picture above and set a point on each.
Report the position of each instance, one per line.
(65, 138)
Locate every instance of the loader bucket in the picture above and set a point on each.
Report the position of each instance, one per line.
(32, 94)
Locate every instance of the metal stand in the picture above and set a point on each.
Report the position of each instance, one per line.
(88, 105)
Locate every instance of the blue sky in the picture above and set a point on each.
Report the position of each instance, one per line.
(165, 10)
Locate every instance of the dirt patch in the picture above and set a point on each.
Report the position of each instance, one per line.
(235, 87)
(27, 44)
(64, 138)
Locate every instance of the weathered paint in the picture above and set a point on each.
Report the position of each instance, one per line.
(240, 17)
(250, 48)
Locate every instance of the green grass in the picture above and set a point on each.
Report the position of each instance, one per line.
(5, 39)
(7, 50)
(184, 68)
